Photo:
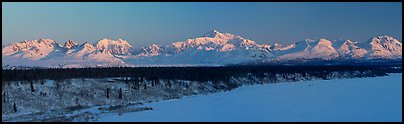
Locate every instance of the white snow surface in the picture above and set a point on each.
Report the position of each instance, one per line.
(340, 100)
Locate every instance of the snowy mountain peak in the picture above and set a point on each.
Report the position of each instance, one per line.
(46, 41)
(32, 50)
(349, 42)
(25, 45)
(349, 49)
(153, 50)
(88, 45)
(217, 34)
(325, 42)
(105, 42)
(70, 44)
(212, 33)
(304, 42)
(154, 46)
(384, 39)
(113, 46)
(323, 39)
(383, 47)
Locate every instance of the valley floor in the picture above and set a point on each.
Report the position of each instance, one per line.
(358, 99)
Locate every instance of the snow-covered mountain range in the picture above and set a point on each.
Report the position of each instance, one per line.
(211, 49)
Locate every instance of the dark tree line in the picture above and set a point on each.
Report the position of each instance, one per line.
(201, 74)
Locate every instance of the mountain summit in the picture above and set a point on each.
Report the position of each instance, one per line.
(113, 46)
(212, 34)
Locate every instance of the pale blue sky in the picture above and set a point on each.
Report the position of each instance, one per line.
(162, 23)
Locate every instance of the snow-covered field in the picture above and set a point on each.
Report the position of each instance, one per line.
(358, 99)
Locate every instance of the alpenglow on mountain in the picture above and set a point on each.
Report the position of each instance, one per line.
(211, 49)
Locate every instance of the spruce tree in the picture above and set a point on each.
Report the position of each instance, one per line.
(107, 93)
(32, 86)
(15, 107)
(120, 93)
(4, 97)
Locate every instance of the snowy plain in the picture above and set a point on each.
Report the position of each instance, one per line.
(339, 100)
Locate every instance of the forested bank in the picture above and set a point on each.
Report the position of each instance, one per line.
(186, 73)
